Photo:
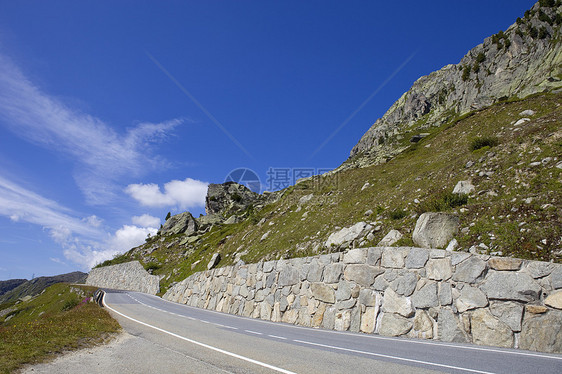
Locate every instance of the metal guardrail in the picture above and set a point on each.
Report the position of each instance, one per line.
(98, 297)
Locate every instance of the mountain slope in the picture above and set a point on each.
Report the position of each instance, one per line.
(37, 285)
(482, 132)
(525, 59)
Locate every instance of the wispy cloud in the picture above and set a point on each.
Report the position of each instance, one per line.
(102, 154)
(83, 240)
(182, 194)
(20, 204)
(57, 260)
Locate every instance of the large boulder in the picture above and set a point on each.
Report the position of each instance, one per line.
(435, 230)
(228, 198)
(180, 223)
(347, 235)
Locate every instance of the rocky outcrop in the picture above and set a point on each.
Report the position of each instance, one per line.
(178, 224)
(127, 276)
(394, 291)
(523, 60)
(228, 198)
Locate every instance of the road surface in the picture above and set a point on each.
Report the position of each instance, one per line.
(211, 342)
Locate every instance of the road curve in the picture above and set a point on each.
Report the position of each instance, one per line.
(221, 342)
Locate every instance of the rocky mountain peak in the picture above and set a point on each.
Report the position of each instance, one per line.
(523, 60)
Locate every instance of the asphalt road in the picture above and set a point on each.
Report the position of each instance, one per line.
(211, 342)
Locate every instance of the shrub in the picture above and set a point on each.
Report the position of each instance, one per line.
(481, 142)
(547, 3)
(152, 266)
(476, 67)
(544, 17)
(480, 57)
(442, 201)
(398, 214)
(70, 304)
(533, 32)
(454, 200)
(236, 197)
(466, 73)
(543, 33)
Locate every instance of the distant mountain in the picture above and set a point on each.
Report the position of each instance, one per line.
(8, 285)
(35, 286)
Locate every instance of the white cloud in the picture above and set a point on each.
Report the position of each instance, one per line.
(82, 240)
(91, 253)
(20, 204)
(182, 194)
(57, 260)
(130, 236)
(93, 221)
(146, 220)
(103, 156)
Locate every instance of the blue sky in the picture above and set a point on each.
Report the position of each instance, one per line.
(114, 113)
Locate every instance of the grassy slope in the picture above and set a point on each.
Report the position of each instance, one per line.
(58, 320)
(499, 215)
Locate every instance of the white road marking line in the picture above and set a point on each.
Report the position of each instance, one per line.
(254, 332)
(231, 354)
(393, 357)
(370, 336)
(204, 321)
(230, 327)
(376, 337)
(277, 337)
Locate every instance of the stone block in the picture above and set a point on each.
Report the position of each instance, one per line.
(471, 298)
(355, 256)
(488, 330)
(439, 269)
(554, 300)
(426, 296)
(470, 270)
(417, 258)
(507, 285)
(394, 303)
(393, 258)
(505, 263)
(323, 292)
(362, 274)
(394, 325)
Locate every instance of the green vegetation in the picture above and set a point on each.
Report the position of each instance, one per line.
(466, 73)
(509, 192)
(481, 142)
(547, 3)
(480, 58)
(58, 320)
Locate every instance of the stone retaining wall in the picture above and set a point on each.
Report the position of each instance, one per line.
(395, 291)
(128, 276)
